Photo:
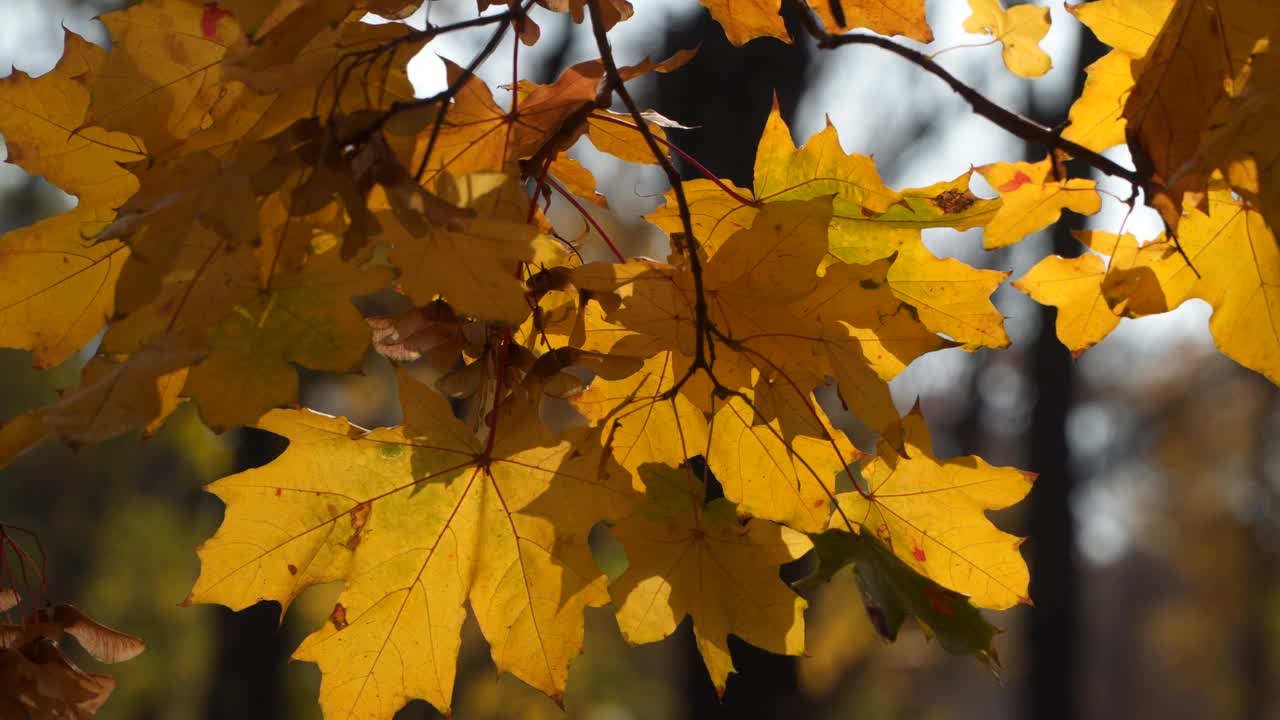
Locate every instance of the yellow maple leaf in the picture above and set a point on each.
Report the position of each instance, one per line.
(1074, 286)
(777, 257)
(174, 202)
(715, 214)
(163, 79)
(617, 135)
(949, 296)
(1196, 64)
(637, 424)
(470, 260)
(1033, 200)
(858, 298)
(887, 17)
(1243, 147)
(576, 179)
(869, 219)
(20, 434)
(931, 513)
(417, 520)
(746, 288)
(819, 168)
(1238, 261)
(1129, 26)
(948, 204)
(57, 289)
(777, 322)
(687, 558)
(1096, 116)
(1154, 280)
(1019, 29)
(745, 20)
(768, 476)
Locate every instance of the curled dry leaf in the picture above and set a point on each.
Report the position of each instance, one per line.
(37, 680)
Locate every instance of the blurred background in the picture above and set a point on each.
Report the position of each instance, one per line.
(1154, 527)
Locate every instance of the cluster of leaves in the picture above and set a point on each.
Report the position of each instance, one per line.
(37, 679)
(245, 168)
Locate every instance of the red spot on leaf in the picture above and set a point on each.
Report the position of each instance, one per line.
(277, 492)
(917, 552)
(1018, 181)
(209, 20)
(338, 617)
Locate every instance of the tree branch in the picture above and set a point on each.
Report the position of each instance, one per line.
(1010, 121)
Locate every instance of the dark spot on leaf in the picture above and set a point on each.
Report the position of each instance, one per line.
(953, 202)
(868, 284)
(293, 569)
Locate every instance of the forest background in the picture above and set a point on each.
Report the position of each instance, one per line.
(1155, 545)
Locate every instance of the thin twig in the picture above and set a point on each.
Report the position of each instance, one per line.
(614, 78)
(582, 210)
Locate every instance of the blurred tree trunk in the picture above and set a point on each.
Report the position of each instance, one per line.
(1257, 647)
(726, 94)
(1055, 620)
(252, 653)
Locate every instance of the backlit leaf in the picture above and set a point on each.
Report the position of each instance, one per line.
(57, 287)
(418, 521)
(1034, 199)
(887, 17)
(1020, 29)
(685, 557)
(932, 515)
